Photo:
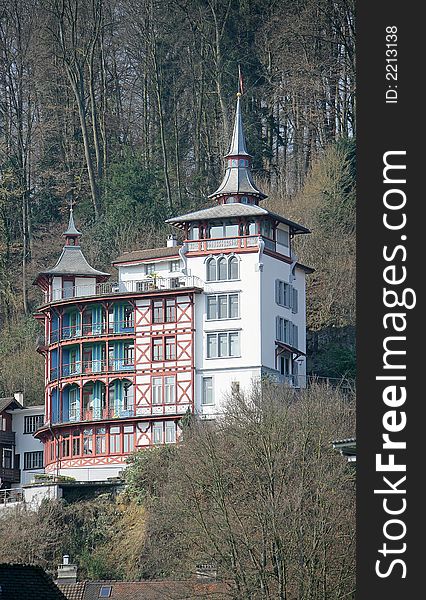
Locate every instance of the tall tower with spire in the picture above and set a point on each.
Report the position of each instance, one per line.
(182, 328)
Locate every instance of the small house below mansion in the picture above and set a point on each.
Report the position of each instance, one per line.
(182, 327)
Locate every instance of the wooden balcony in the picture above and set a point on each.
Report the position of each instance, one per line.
(7, 437)
(10, 475)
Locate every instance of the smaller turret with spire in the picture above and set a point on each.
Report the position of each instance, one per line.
(237, 184)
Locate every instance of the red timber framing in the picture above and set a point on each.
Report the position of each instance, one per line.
(151, 421)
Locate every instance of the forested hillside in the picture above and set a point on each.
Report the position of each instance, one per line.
(124, 108)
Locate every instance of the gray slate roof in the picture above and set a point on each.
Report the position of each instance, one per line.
(238, 141)
(222, 211)
(238, 180)
(73, 262)
(151, 253)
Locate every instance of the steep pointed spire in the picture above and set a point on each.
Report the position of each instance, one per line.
(71, 229)
(238, 141)
(237, 184)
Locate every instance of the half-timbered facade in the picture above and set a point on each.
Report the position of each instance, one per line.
(182, 327)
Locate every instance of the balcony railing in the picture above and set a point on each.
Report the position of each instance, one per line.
(147, 285)
(71, 332)
(98, 414)
(10, 475)
(82, 367)
(246, 241)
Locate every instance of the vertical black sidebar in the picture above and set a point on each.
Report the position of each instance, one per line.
(391, 259)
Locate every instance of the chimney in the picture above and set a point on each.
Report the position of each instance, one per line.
(67, 573)
(171, 241)
(19, 397)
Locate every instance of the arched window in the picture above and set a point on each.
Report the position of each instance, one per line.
(222, 271)
(233, 268)
(211, 270)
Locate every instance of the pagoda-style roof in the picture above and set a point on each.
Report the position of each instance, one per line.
(226, 211)
(238, 180)
(73, 262)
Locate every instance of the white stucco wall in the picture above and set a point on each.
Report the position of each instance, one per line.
(26, 442)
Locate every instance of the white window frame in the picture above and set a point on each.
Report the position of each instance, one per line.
(157, 390)
(218, 335)
(170, 428)
(157, 427)
(228, 296)
(205, 391)
(32, 423)
(174, 266)
(227, 259)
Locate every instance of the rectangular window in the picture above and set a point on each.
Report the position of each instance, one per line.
(157, 311)
(76, 443)
(88, 441)
(174, 266)
(7, 458)
(164, 311)
(170, 432)
(283, 293)
(157, 349)
(149, 268)
(114, 440)
(100, 440)
(170, 346)
(32, 423)
(157, 390)
(223, 306)
(170, 311)
(128, 438)
(129, 352)
(128, 317)
(169, 390)
(33, 460)
(207, 396)
(65, 445)
(223, 344)
(282, 237)
(287, 332)
(157, 433)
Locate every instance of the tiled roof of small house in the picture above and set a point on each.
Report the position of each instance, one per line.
(73, 591)
(156, 590)
(22, 582)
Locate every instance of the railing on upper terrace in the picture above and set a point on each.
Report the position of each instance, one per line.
(247, 241)
(147, 285)
(81, 367)
(70, 332)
